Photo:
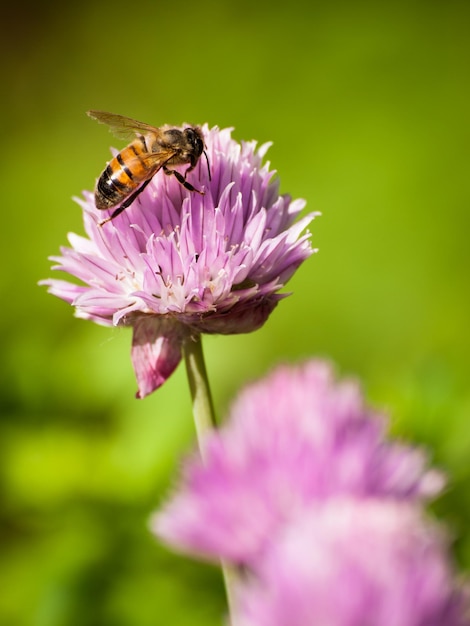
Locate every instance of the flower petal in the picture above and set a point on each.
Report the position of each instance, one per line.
(156, 350)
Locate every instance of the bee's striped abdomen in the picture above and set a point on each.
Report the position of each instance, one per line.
(124, 173)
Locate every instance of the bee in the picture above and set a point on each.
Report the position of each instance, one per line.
(152, 149)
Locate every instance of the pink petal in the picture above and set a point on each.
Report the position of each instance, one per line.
(156, 350)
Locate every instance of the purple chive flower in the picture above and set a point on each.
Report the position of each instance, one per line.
(295, 438)
(178, 263)
(352, 563)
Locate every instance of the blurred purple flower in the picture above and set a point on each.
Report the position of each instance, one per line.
(177, 263)
(352, 563)
(295, 438)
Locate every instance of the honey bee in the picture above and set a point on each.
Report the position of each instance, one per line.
(131, 170)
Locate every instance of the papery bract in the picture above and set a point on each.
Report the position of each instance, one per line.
(177, 263)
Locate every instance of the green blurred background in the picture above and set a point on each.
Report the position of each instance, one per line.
(367, 104)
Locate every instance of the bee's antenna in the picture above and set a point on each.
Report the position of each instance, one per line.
(208, 166)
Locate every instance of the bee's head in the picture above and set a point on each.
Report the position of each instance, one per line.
(194, 138)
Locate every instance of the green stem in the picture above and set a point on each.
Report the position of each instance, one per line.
(205, 422)
(203, 408)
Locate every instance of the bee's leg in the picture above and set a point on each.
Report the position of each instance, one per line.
(182, 179)
(127, 202)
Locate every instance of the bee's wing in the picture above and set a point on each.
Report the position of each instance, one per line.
(153, 161)
(121, 126)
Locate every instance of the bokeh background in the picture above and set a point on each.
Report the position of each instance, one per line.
(367, 104)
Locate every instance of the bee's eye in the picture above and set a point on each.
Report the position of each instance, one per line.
(195, 141)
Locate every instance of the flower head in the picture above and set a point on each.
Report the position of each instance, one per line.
(351, 563)
(177, 263)
(296, 438)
